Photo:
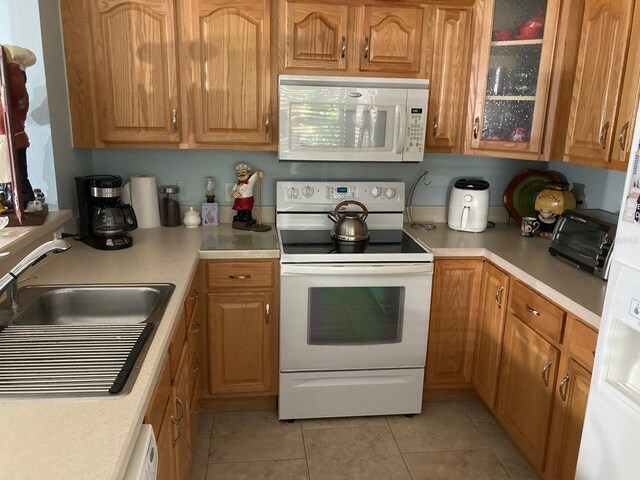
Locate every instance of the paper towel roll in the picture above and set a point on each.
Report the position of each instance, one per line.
(142, 193)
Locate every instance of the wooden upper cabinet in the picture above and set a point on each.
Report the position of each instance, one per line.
(510, 77)
(391, 39)
(315, 35)
(449, 77)
(230, 65)
(604, 39)
(135, 70)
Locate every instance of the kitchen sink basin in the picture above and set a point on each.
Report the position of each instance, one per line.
(89, 304)
(78, 340)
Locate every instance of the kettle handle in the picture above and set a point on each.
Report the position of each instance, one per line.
(364, 213)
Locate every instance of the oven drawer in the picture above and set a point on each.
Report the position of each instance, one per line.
(239, 274)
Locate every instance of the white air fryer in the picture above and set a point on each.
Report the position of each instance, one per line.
(469, 205)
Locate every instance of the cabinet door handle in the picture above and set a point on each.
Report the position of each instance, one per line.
(499, 297)
(434, 132)
(196, 327)
(366, 48)
(603, 135)
(622, 138)
(268, 312)
(476, 127)
(196, 367)
(181, 405)
(266, 122)
(343, 48)
(174, 121)
(546, 371)
(177, 423)
(240, 277)
(532, 311)
(194, 295)
(563, 387)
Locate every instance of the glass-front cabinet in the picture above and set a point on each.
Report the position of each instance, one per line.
(510, 83)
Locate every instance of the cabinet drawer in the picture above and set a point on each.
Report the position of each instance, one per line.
(160, 399)
(537, 312)
(175, 349)
(239, 274)
(581, 341)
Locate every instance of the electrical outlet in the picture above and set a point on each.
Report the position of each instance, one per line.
(185, 191)
(228, 188)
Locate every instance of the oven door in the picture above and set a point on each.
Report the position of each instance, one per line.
(346, 316)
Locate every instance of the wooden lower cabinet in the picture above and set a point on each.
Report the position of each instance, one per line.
(166, 455)
(452, 324)
(241, 335)
(525, 390)
(181, 418)
(494, 293)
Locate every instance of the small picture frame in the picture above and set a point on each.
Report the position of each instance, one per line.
(210, 214)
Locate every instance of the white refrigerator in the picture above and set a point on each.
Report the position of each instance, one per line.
(610, 446)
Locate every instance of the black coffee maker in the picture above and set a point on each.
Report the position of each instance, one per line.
(104, 219)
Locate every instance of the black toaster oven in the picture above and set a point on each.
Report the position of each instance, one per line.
(585, 238)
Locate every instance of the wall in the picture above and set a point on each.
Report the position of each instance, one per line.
(69, 161)
(601, 188)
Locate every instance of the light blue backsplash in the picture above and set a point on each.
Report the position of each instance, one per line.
(171, 166)
(601, 187)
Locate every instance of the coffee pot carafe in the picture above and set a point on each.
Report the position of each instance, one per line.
(104, 219)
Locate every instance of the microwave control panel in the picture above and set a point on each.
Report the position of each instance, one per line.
(416, 126)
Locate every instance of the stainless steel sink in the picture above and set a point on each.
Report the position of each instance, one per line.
(89, 304)
(78, 340)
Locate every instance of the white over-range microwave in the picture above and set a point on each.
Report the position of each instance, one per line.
(352, 119)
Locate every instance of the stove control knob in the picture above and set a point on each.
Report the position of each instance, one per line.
(375, 192)
(390, 192)
(292, 192)
(468, 198)
(307, 191)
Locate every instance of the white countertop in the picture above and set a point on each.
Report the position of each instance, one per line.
(93, 438)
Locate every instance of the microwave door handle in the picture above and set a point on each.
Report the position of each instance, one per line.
(401, 125)
(464, 219)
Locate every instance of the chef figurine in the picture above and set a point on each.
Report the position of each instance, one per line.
(242, 194)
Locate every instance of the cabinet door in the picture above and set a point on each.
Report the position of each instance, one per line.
(135, 70)
(493, 310)
(452, 323)
(315, 35)
(510, 76)
(449, 77)
(241, 335)
(181, 417)
(525, 391)
(596, 90)
(391, 38)
(629, 98)
(568, 417)
(166, 453)
(230, 45)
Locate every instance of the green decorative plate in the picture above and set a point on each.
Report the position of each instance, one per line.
(520, 196)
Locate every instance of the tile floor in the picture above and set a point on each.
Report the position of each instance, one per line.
(448, 441)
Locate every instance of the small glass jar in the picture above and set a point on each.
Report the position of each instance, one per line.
(169, 206)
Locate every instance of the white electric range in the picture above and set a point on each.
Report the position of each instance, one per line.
(354, 315)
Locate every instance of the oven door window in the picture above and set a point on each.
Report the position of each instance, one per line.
(355, 315)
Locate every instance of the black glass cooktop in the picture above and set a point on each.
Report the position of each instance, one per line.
(306, 242)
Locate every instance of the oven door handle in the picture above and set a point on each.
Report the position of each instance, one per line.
(350, 269)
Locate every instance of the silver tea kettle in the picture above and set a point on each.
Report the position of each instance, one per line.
(349, 226)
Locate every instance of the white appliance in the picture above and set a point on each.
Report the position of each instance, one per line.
(352, 119)
(611, 433)
(354, 315)
(469, 205)
(143, 464)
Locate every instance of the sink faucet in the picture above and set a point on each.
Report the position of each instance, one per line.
(9, 282)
